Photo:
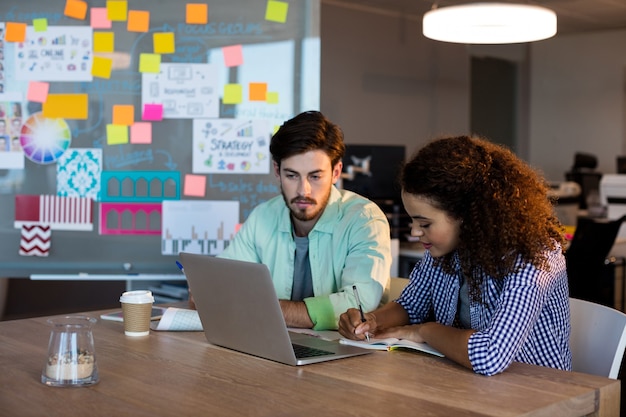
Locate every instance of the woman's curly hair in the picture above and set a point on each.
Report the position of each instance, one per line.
(503, 204)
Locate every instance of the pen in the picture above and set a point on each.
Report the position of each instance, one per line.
(358, 302)
(180, 266)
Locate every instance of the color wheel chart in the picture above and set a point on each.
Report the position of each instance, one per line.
(44, 140)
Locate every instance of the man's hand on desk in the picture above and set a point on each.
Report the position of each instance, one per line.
(296, 314)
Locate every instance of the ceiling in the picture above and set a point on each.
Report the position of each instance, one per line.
(573, 16)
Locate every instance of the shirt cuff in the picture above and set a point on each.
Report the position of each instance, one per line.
(321, 313)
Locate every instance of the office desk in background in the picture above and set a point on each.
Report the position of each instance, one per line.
(180, 374)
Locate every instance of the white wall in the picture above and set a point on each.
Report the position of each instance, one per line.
(384, 83)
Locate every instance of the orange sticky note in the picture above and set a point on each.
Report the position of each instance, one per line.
(232, 94)
(123, 114)
(197, 14)
(117, 135)
(195, 185)
(15, 32)
(103, 41)
(138, 21)
(141, 133)
(233, 55)
(66, 106)
(276, 11)
(257, 91)
(117, 10)
(37, 91)
(99, 19)
(76, 9)
(101, 67)
(164, 43)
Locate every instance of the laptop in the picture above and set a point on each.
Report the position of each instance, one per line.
(239, 310)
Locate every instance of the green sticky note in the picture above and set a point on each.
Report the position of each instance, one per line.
(149, 62)
(233, 94)
(276, 11)
(271, 97)
(40, 25)
(117, 134)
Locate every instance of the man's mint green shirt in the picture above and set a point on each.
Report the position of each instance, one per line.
(349, 245)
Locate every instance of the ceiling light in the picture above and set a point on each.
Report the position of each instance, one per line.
(489, 23)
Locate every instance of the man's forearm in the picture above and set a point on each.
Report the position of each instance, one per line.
(296, 314)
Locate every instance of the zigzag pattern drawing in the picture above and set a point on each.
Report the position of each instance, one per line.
(35, 240)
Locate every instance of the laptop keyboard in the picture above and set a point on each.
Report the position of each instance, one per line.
(308, 352)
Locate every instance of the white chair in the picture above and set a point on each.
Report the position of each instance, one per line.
(598, 338)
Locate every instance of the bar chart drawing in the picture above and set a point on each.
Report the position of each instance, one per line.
(203, 227)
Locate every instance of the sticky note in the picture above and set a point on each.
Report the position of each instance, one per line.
(257, 91)
(153, 112)
(123, 114)
(40, 25)
(76, 9)
(116, 134)
(276, 11)
(15, 32)
(149, 62)
(103, 41)
(197, 14)
(117, 10)
(99, 19)
(233, 55)
(164, 43)
(138, 21)
(232, 94)
(66, 106)
(141, 133)
(271, 97)
(101, 67)
(37, 91)
(195, 185)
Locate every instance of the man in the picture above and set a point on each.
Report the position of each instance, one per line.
(317, 241)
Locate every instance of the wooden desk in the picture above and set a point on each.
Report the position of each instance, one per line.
(180, 374)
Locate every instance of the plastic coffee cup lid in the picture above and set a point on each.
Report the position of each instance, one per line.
(137, 297)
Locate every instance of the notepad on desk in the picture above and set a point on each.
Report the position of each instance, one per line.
(179, 320)
(390, 344)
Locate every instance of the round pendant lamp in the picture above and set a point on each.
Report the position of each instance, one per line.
(489, 23)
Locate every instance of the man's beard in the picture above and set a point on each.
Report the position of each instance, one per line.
(304, 215)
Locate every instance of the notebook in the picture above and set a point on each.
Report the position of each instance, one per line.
(239, 310)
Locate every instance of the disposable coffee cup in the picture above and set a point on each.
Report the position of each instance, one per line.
(137, 309)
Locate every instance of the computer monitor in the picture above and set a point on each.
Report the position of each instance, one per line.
(613, 196)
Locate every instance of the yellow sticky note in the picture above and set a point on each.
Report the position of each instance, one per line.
(197, 14)
(257, 91)
(141, 133)
(149, 62)
(103, 41)
(76, 9)
(233, 94)
(40, 25)
(123, 114)
(101, 67)
(271, 97)
(66, 106)
(195, 185)
(138, 21)
(15, 32)
(117, 10)
(276, 11)
(116, 134)
(164, 43)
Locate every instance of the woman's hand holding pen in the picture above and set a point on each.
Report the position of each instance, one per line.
(351, 325)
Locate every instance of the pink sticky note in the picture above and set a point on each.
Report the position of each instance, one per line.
(152, 112)
(99, 19)
(195, 185)
(141, 133)
(233, 55)
(37, 91)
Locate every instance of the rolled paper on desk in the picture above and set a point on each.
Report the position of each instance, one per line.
(179, 320)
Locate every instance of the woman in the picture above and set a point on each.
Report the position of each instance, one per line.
(492, 286)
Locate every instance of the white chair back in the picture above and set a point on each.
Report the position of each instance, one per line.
(598, 338)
